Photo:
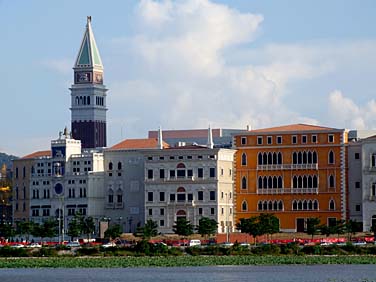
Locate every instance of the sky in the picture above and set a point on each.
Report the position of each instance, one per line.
(188, 64)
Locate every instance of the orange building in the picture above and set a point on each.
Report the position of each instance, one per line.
(296, 172)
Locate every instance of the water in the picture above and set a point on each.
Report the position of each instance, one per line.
(283, 273)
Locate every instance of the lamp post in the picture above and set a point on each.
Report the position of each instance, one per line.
(227, 225)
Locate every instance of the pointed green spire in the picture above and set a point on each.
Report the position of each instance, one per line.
(88, 55)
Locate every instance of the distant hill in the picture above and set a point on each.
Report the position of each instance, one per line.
(6, 159)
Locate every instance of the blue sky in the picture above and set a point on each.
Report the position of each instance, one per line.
(185, 64)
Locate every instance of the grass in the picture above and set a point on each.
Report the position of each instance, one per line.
(182, 261)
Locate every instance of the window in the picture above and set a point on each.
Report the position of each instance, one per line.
(357, 184)
(244, 140)
(162, 196)
(150, 174)
(332, 205)
(110, 166)
(294, 139)
(212, 196)
(212, 211)
(150, 211)
(200, 211)
(357, 208)
(180, 157)
(161, 211)
(150, 158)
(279, 139)
(161, 222)
(373, 189)
(304, 139)
(200, 172)
(259, 140)
(373, 160)
(110, 198)
(357, 156)
(162, 173)
(150, 196)
(244, 182)
(119, 166)
(244, 159)
(212, 172)
(161, 158)
(181, 197)
(269, 140)
(331, 138)
(119, 198)
(331, 181)
(172, 197)
(244, 206)
(190, 173)
(172, 173)
(331, 157)
(200, 195)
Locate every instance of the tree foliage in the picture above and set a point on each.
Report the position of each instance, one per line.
(150, 229)
(74, 228)
(113, 231)
(183, 227)
(250, 226)
(313, 224)
(207, 227)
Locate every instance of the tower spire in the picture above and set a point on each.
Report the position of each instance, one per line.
(210, 143)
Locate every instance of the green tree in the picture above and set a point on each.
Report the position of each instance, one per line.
(25, 228)
(7, 230)
(340, 227)
(47, 229)
(150, 229)
(313, 226)
(87, 226)
(74, 228)
(351, 227)
(326, 230)
(250, 226)
(113, 231)
(269, 224)
(207, 226)
(183, 227)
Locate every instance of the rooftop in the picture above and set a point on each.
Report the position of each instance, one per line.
(149, 143)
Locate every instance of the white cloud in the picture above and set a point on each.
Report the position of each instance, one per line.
(62, 66)
(348, 114)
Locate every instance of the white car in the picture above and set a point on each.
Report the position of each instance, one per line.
(18, 246)
(34, 245)
(109, 245)
(73, 244)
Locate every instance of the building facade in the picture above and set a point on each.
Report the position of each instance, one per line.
(189, 182)
(295, 172)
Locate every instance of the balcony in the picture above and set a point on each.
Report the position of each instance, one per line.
(180, 179)
(287, 166)
(278, 191)
(119, 205)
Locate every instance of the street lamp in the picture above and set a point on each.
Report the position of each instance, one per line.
(227, 225)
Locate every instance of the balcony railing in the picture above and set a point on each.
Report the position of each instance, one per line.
(287, 166)
(276, 191)
(177, 179)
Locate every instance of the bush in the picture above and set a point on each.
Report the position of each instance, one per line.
(267, 249)
(87, 251)
(45, 252)
(311, 250)
(290, 249)
(13, 252)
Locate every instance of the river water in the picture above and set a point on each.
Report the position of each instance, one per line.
(288, 273)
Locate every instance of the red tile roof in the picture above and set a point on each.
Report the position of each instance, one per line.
(38, 154)
(150, 143)
(294, 127)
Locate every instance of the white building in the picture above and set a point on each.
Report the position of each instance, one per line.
(191, 182)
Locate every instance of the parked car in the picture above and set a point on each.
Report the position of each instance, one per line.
(109, 245)
(34, 245)
(193, 243)
(227, 244)
(18, 246)
(73, 244)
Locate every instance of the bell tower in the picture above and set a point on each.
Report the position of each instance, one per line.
(88, 94)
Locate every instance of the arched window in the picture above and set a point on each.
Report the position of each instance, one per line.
(332, 205)
(265, 182)
(181, 190)
(88, 100)
(244, 182)
(300, 182)
(275, 158)
(244, 206)
(280, 182)
(84, 100)
(305, 205)
(305, 181)
(309, 157)
(309, 181)
(181, 214)
(259, 158)
(270, 205)
(119, 165)
(264, 158)
(270, 182)
(331, 181)
(300, 157)
(260, 182)
(280, 205)
(275, 182)
(265, 206)
(180, 165)
(110, 166)
(244, 159)
(315, 205)
(279, 158)
(270, 158)
(314, 157)
(259, 206)
(314, 180)
(310, 206)
(331, 157)
(275, 205)
(294, 182)
(294, 205)
(304, 157)
(294, 158)
(300, 205)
